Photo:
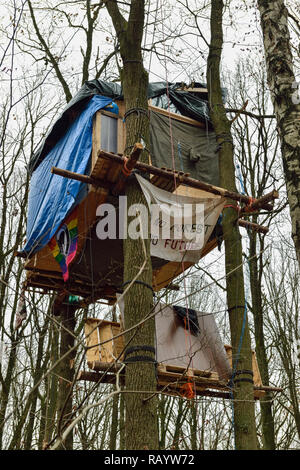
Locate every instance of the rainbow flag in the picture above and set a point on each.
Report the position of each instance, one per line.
(64, 243)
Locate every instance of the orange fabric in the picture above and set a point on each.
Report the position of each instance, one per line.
(248, 207)
(187, 390)
(126, 170)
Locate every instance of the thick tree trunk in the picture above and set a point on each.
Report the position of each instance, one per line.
(244, 415)
(283, 88)
(66, 373)
(52, 389)
(141, 416)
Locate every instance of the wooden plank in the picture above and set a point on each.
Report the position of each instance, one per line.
(193, 90)
(96, 138)
(106, 351)
(121, 106)
(180, 371)
(177, 117)
(113, 172)
(166, 273)
(91, 337)
(256, 374)
(97, 377)
(118, 343)
(101, 366)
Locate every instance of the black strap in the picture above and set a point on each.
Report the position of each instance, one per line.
(244, 371)
(139, 358)
(138, 348)
(145, 359)
(236, 306)
(142, 283)
(243, 380)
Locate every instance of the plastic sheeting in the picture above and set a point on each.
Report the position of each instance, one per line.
(188, 104)
(194, 149)
(51, 197)
(203, 352)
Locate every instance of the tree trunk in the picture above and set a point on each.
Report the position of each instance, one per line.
(114, 423)
(141, 416)
(257, 308)
(52, 389)
(66, 373)
(283, 87)
(244, 414)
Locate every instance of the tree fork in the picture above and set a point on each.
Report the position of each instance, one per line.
(244, 414)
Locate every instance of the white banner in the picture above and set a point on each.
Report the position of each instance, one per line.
(180, 225)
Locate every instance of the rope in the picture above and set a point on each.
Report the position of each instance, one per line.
(136, 110)
(125, 170)
(180, 156)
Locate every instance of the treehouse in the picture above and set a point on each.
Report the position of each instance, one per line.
(190, 357)
(62, 250)
(81, 168)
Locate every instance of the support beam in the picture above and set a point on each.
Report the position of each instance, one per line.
(79, 177)
(261, 203)
(253, 226)
(193, 183)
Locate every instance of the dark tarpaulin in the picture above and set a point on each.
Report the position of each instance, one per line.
(189, 318)
(187, 104)
(194, 148)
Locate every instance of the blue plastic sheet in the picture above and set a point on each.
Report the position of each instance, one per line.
(52, 197)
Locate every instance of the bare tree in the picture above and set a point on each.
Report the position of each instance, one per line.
(283, 86)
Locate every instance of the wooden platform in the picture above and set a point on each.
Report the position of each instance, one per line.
(104, 356)
(171, 380)
(43, 271)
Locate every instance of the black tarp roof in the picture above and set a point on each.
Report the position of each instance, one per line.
(192, 105)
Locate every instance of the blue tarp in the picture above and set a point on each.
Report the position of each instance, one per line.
(52, 197)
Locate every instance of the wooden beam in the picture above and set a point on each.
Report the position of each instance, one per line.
(129, 166)
(183, 179)
(253, 226)
(261, 203)
(177, 117)
(79, 177)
